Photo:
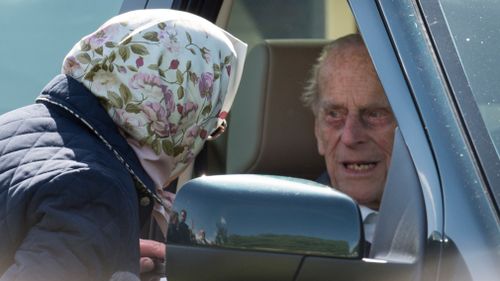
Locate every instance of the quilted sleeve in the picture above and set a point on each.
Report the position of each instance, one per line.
(86, 228)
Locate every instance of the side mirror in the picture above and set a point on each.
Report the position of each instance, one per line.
(253, 227)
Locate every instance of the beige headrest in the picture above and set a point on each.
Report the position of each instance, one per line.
(270, 131)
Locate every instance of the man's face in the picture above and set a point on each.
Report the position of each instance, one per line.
(354, 126)
(183, 216)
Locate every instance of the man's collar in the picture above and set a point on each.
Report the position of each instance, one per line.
(365, 212)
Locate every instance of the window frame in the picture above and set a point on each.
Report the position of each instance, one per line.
(475, 130)
(384, 56)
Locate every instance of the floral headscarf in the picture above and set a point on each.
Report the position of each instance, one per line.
(167, 79)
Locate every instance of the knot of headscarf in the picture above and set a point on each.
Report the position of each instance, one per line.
(166, 78)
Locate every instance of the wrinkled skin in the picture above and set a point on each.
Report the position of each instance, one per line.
(354, 125)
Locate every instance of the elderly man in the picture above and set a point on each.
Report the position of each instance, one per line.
(354, 124)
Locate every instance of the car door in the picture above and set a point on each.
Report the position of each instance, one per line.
(428, 90)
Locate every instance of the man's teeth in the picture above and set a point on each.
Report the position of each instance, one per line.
(360, 167)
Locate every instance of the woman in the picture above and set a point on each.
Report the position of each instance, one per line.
(83, 168)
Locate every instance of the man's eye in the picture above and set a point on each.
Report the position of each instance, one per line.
(378, 116)
(334, 117)
(335, 113)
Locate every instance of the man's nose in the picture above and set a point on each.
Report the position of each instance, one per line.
(354, 131)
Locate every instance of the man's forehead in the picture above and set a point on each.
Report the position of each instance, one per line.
(355, 71)
(351, 86)
(348, 55)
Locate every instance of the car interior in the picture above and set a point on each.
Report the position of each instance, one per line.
(268, 120)
(271, 132)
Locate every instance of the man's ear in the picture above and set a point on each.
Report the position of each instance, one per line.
(319, 139)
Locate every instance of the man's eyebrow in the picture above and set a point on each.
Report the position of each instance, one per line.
(386, 108)
(376, 106)
(330, 105)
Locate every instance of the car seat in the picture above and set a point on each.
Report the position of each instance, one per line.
(270, 130)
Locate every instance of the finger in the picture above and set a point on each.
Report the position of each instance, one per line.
(151, 248)
(146, 265)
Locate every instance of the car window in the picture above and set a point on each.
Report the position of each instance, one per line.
(36, 35)
(475, 33)
(255, 20)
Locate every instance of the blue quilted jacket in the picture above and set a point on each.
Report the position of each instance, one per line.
(73, 195)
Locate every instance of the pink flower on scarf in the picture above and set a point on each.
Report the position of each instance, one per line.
(129, 121)
(169, 38)
(187, 108)
(168, 99)
(102, 36)
(191, 134)
(206, 84)
(71, 65)
(157, 117)
(149, 84)
(174, 64)
(139, 62)
(141, 80)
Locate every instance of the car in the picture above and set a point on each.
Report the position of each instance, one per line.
(250, 203)
(439, 218)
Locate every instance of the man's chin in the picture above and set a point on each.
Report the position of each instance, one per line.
(357, 190)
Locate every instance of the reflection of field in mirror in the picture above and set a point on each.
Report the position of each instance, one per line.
(290, 244)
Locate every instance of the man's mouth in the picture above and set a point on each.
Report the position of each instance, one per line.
(360, 167)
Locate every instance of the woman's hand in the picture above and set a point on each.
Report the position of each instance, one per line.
(152, 254)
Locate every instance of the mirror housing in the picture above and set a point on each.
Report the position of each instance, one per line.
(256, 217)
